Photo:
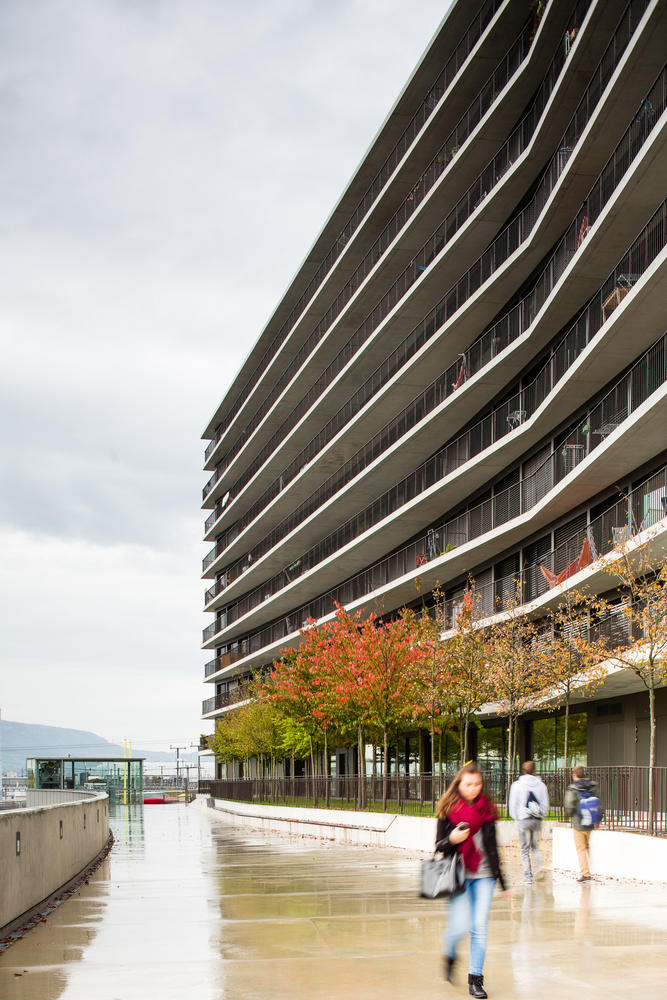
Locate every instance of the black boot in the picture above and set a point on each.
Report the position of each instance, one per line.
(476, 986)
(448, 968)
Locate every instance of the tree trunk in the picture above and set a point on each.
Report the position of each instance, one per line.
(432, 764)
(385, 776)
(312, 772)
(398, 772)
(461, 730)
(566, 735)
(374, 774)
(440, 788)
(361, 767)
(651, 756)
(510, 759)
(326, 768)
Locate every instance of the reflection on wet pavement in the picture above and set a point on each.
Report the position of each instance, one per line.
(186, 907)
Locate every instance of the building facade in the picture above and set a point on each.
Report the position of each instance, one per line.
(467, 376)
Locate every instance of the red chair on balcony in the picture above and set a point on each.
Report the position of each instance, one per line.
(584, 559)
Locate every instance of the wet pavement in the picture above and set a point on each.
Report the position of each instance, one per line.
(186, 907)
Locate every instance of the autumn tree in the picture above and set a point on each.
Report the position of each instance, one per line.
(432, 702)
(467, 670)
(516, 668)
(389, 653)
(640, 571)
(571, 658)
(293, 686)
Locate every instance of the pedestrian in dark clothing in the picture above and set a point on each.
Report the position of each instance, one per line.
(581, 785)
(466, 823)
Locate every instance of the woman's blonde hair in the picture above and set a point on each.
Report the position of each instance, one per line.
(452, 795)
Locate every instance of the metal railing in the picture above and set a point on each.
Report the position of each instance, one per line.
(623, 792)
(223, 700)
(645, 377)
(492, 88)
(498, 424)
(475, 30)
(642, 508)
(504, 331)
(477, 192)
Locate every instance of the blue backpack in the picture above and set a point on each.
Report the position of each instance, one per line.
(589, 810)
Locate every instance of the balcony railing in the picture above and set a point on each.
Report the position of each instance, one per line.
(492, 342)
(477, 192)
(505, 70)
(643, 507)
(219, 701)
(508, 241)
(618, 404)
(474, 32)
(502, 421)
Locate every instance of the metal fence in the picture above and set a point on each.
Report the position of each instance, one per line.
(623, 793)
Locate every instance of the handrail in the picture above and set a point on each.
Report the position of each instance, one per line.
(631, 391)
(492, 428)
(622, 514)
(488, 93)
(474, 32)
(509, 240)
(492, 174)
(513, 324)
(627, 272)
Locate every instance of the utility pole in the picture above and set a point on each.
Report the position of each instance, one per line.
(178, 753)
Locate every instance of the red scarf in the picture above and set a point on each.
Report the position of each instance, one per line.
(475, 814)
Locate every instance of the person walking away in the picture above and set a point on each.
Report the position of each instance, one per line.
(582, 805)
(528, 805)
(467, 824)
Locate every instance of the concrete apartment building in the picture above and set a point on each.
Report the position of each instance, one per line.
(468, 372)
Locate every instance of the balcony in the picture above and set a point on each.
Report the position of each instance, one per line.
(219, 701)
(480, 354)
(443, 162)
(491, 261)
(644, 382)
(473, 35)
(630, 392)
(507, 418)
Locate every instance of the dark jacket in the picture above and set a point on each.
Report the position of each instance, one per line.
(571, 803)
(442, 844)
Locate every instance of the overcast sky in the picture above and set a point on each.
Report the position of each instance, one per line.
(166, 164)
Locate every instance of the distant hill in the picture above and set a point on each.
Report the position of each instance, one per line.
(24, 739)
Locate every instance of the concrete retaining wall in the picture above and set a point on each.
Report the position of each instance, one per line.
(44, 847)
(614, 854)
(410, 833)
(56, 796)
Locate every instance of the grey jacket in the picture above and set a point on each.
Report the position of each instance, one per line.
(519, 795)
(571, 803)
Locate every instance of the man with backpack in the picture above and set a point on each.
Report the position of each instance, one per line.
(582, 805)
(528, 805)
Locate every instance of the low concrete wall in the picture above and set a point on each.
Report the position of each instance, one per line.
(410, 833)
(56, 796)
(614, 854)
(43, 847)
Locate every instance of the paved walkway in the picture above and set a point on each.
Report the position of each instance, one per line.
(186, 908)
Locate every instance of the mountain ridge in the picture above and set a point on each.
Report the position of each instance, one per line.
(25, 739)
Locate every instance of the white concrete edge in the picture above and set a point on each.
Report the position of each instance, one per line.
(614, 854)
(362, 829)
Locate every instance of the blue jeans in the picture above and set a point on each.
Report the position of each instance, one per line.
(469, 911)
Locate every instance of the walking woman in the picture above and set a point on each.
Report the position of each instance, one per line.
(466, 823)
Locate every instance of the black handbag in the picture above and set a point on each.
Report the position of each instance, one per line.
(441, 877)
